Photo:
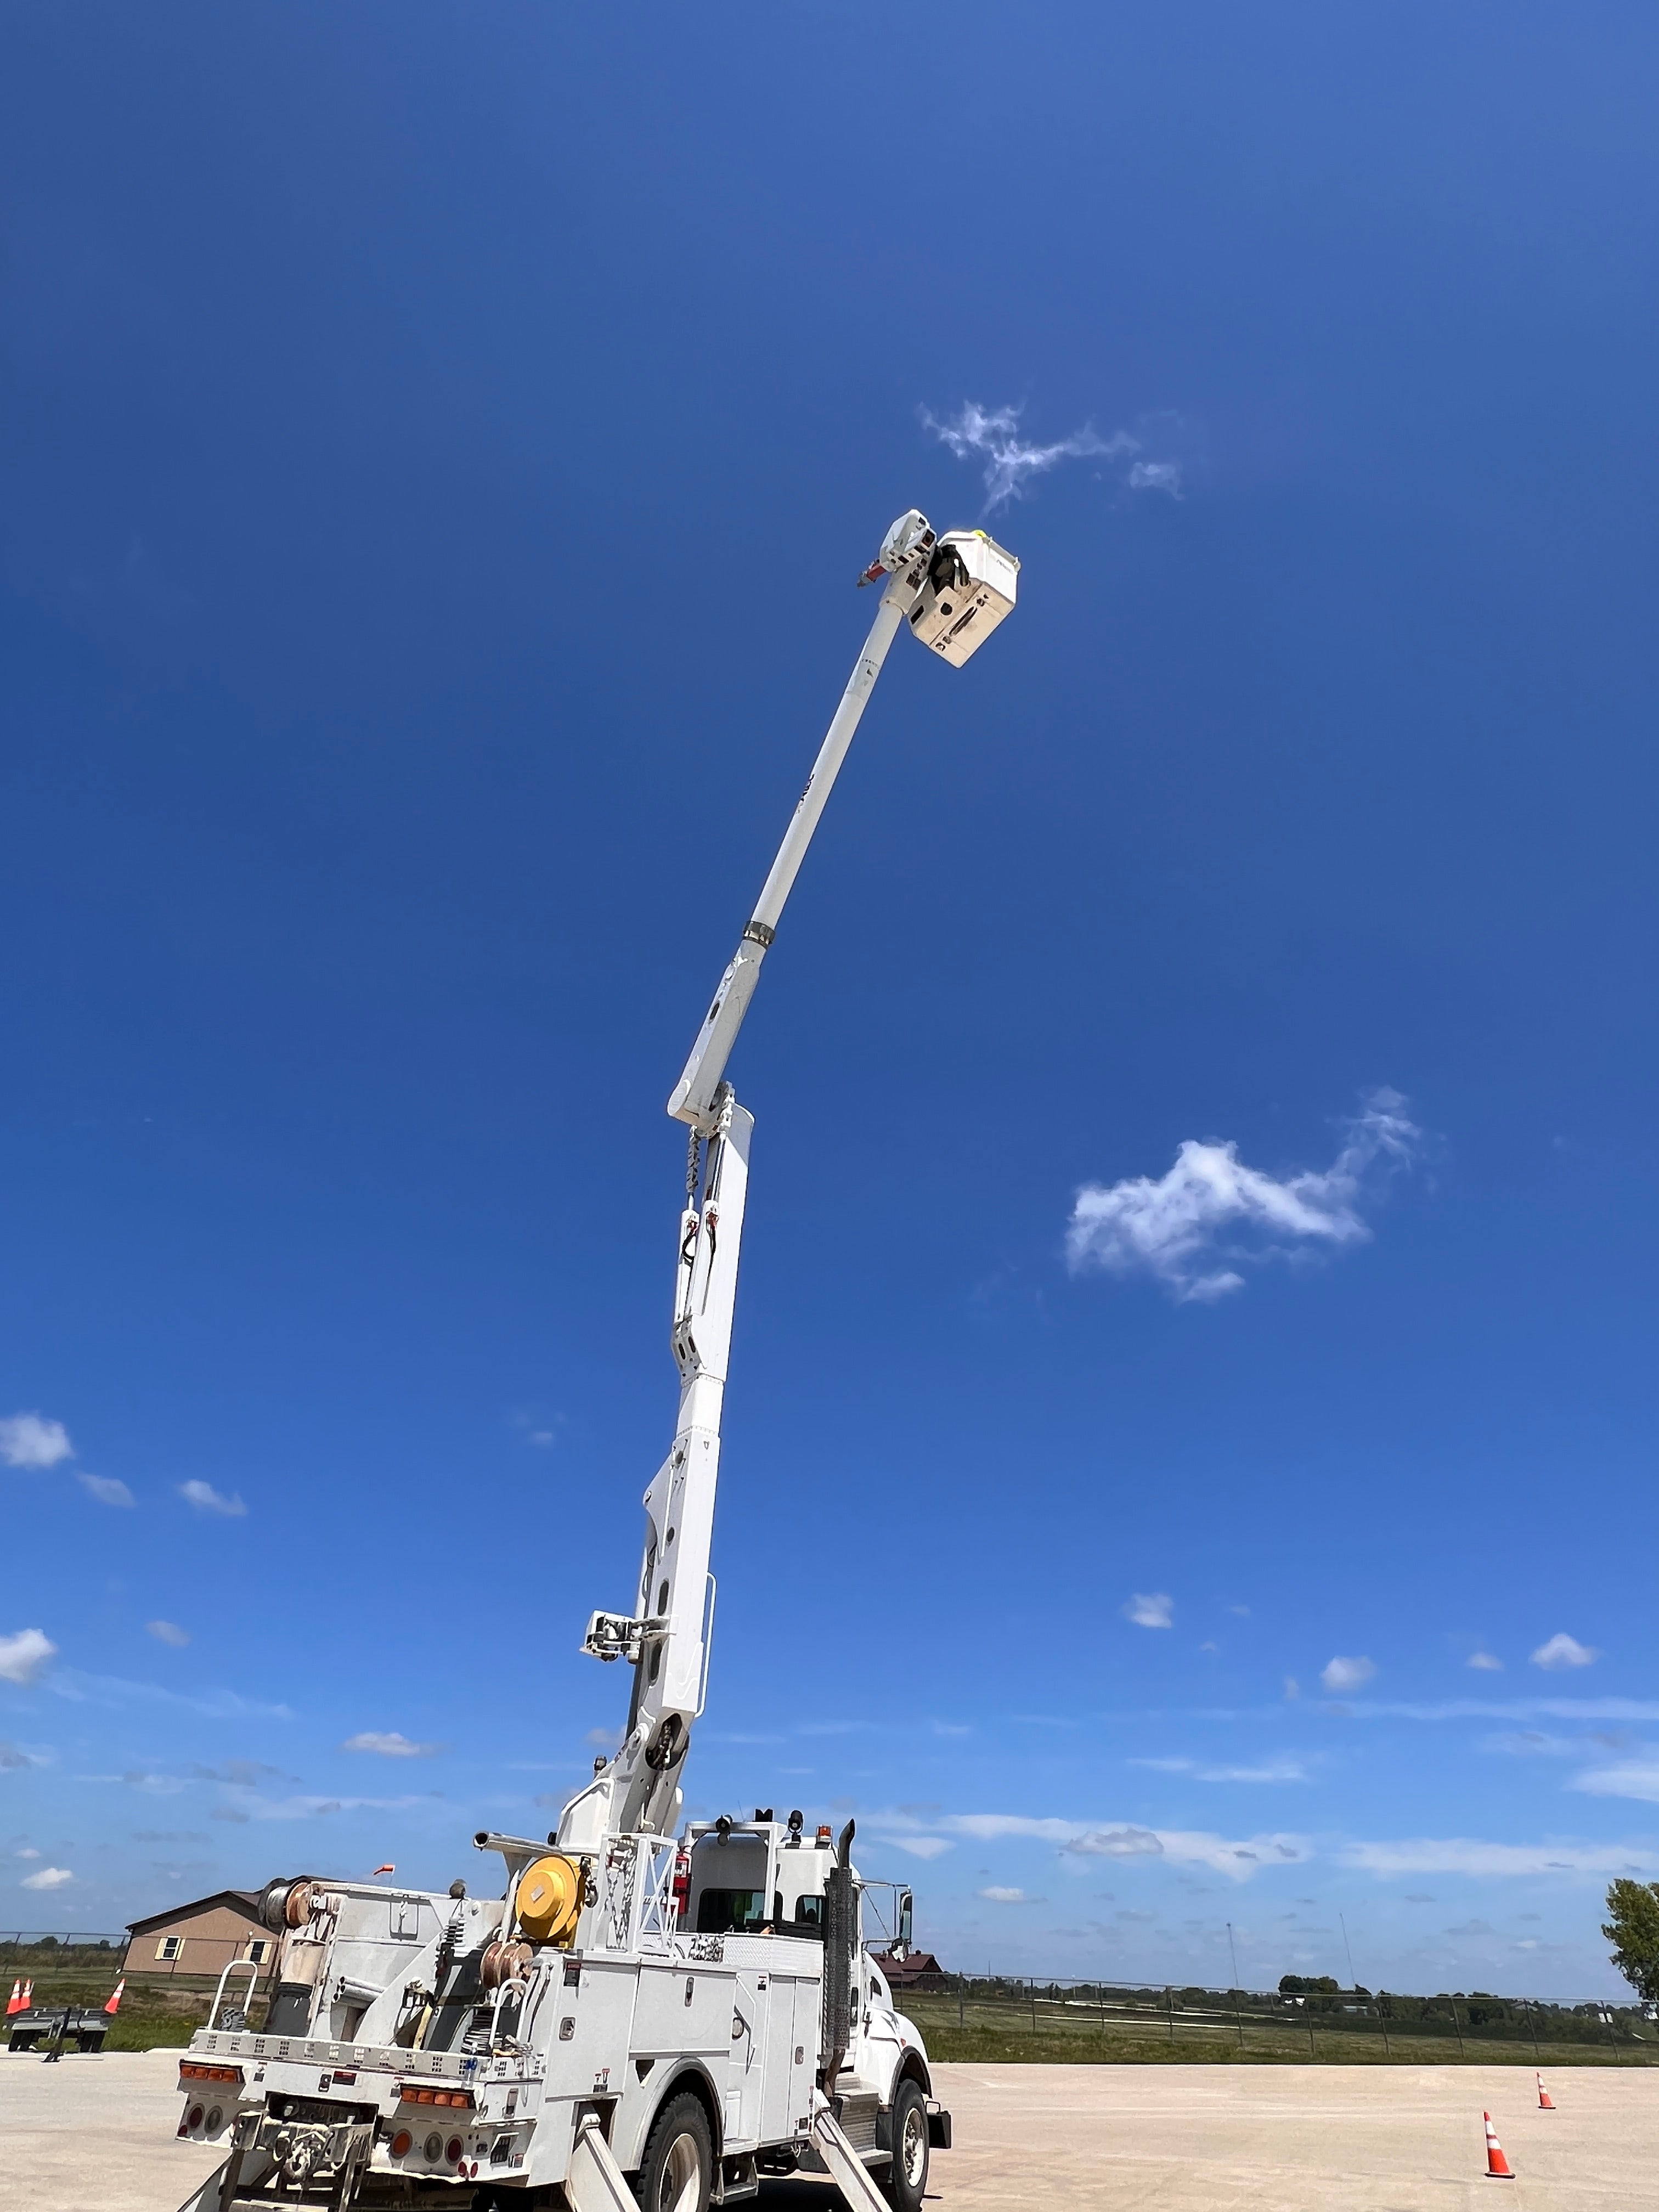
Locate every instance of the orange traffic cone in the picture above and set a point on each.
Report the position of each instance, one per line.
(29, 1995)
(14, 2002)
(113, 2006)
(1498, 2166)
(1545, 2102)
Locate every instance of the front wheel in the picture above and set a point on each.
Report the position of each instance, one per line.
(678, 2169)
(907, 2180)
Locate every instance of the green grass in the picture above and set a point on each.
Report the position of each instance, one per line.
(1005, 2033)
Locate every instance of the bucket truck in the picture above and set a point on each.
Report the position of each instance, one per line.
(631, 2015)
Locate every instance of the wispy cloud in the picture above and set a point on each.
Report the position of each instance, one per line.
(108, 1489)
(1150, 1609)
(31, 1440)
(1564, 1650)
(1237, 1859)
(996, 1894)
(1467, 1855)
(48, 1878)
(1340, 1674)
(992, 435)
(168, 1632)
(206, 1499)
(1267, 1769)
(1192, 1228)
(112, 1691)
(1484, 1662)
(387, 1743)
(23, 1656)
(1510, 1709)
(1638, 1779)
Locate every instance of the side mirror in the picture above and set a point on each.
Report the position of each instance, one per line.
(903, 1943)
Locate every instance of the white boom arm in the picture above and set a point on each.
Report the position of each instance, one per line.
(694, 1096)
(667, 1636)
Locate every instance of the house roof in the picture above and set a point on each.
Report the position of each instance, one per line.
(246, 1901)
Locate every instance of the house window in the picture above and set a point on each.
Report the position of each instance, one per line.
(170, 1947)
(258, 1950)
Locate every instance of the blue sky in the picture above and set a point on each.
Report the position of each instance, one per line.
(1194, 1363)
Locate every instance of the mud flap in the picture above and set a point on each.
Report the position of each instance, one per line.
(594, 2182)
(847, 2169)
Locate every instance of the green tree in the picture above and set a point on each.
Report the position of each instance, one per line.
(1633, 1932)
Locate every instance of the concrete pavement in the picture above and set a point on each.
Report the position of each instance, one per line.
(94, 2134)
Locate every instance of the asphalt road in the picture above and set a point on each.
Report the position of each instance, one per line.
(95, 2135)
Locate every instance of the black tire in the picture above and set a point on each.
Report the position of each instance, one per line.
(677, 2173)
(907, 2177)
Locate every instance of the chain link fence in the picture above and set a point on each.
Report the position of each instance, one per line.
(1077, 2022)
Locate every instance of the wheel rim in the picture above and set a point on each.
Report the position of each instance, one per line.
(679, 2188)
(912, 2151)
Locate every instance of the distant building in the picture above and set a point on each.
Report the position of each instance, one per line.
(916, 1972)
(201, 1938)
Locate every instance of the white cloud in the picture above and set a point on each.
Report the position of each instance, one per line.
(1339, 1674)
(168, 1632)
(921, 1847)
(28, 1852)
(1270, 1770)
(1629, 1778)
(48, 1878)
(1237, 1859)
(388, 1744)
(1565, 1651)
(996, 1895)
(30, 1440)
(992, 434)
(1151, 1609)
(23, 1656)
(1466, 1855)
(603, 1738)
(206, 1499)
(1484, 1662)
(108, 1489)
(1155, 475)
(1211, 1208)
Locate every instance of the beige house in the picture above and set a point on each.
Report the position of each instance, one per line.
(201, 1938)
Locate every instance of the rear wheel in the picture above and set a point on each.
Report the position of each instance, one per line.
(678, 2168)
(907, 2179)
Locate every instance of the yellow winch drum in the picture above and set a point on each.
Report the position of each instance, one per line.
(550, 1900)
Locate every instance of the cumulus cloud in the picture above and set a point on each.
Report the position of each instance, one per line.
(31, 1440)
(108, 1489)
(1151, 1609)
(992, 434)
(206, 1499)
(1192, 1228)
(23, 1656)
(168, 1632)
(1565, 1651)
(48, 1878)
(387, 1743)
(1340, 1674)
(1484, 1662)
